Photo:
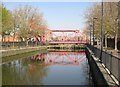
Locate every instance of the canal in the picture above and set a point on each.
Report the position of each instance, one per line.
(52, 68)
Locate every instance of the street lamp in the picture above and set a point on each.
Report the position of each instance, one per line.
(118, 23)
(94, 29)
(90, 32)
(102, 29)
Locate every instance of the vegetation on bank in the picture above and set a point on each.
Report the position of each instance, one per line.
(23, 22)
(111, 21)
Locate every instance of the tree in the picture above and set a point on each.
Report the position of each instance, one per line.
(6, 21)
(110, 23)
(30, 22)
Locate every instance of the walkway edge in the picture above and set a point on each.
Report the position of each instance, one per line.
(100, 76)
(20, 51)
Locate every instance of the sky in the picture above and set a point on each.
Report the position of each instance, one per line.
(59, 15)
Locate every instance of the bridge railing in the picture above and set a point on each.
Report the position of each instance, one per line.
(110, 62)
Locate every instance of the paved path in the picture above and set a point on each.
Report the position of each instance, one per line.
(115, 53)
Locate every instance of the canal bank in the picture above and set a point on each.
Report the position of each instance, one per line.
(9, 55)
(100, 75)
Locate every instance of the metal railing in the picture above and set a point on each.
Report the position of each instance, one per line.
(111, 62)
(15, 45)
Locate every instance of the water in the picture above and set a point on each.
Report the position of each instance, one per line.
(53, 68)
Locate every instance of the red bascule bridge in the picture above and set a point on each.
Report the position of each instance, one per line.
(67, 37)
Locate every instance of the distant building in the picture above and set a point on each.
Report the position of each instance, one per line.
(9, 38)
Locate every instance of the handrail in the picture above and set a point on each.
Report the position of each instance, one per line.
(111, 62)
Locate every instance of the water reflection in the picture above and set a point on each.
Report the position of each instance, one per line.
(53, 68)
(23, 72)
(65, 58)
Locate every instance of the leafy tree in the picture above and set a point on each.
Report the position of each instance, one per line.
(110, 23)
(6, 21)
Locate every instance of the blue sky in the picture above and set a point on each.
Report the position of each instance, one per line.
(59, 15)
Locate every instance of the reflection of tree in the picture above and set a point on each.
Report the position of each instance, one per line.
(23, 72)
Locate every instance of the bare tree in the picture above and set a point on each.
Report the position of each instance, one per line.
(29, 21)
(110, 23)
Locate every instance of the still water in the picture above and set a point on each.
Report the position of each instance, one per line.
(53, 68)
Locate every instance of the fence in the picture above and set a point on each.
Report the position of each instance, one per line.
(97, 76)
(9, 45)
(111, 62)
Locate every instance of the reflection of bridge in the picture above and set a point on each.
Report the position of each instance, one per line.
(61, 58)
(65, 58)
(67, 37)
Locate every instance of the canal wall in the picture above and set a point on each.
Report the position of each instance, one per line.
(67, 47)
(99, 75)
(19, 51)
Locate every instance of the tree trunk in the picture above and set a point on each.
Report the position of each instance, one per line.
(13, 40)
(97, 42)
(116, 37)
(26, 42)
(118, 23)
(2, 38)
(2, 41)
(8, 41)
(105, 42)
(21, 42)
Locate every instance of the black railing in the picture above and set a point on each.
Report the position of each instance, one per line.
(10, 45)
(111, 62)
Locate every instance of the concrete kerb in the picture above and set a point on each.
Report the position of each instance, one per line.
(11, 52)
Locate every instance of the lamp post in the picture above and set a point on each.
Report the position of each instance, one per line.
(6, 33)
(118, 23)
(94, 29)
(102, 29)
(90, 33)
